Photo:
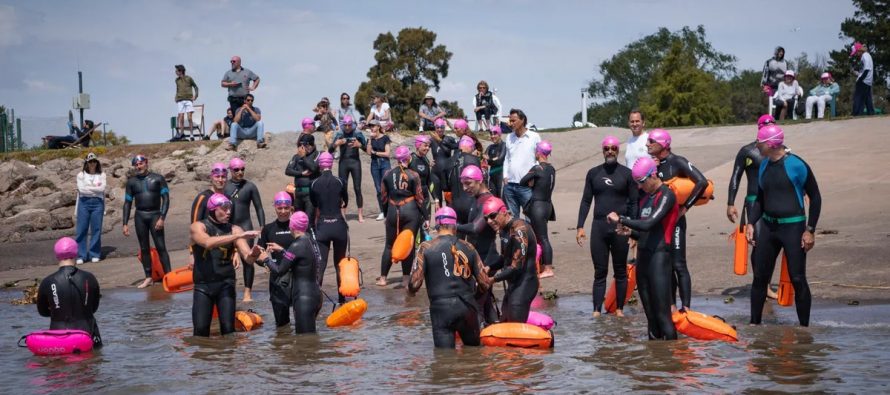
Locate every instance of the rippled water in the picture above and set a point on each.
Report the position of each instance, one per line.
(149, 348)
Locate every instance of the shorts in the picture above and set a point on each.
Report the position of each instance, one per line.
(185, 106)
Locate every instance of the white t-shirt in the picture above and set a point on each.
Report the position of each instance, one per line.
(636, 149)
(520, 155)
(867, 64)
(380, 114)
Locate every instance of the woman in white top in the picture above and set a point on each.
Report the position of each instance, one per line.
(787, 94)
(380, 110)
(90, 209)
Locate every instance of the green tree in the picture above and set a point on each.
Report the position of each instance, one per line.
(745, 96)
(111, 138)
(408, 66)
(452, 109)
(870, 25)
(681, 94)
(626, 74)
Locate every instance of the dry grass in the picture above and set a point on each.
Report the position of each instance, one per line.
(151, 151)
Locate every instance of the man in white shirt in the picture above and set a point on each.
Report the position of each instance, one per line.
(636, 144)
(520, 158)
(864, 80)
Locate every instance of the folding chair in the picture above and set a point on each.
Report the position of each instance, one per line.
(197, 123)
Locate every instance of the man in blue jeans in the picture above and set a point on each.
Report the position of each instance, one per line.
(520, 157)
(247, 125)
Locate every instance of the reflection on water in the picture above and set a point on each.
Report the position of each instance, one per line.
(149, 348)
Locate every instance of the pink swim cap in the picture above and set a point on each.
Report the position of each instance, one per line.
(421, 140)
(466, 142)
(446, 216)
(348, 120)
(236, 163)
(299, 221)
(218, 168)
(643, 167)
(439, 122)
(471, 172)
(65, 248)
(461, 124)
(544, 148)
(325, 160)
(493, 205)
(772, 135)
(282, 199)
(496, 129)
(661, 137)
(402, 153)
(611, 141)
(307, 123)
(218, 200)
(764, 120)
(826, 75)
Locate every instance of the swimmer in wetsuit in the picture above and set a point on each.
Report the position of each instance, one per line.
(303, 167)
(277, 234)
(611, 188)
(461, 201)
(422, 166)
(495, 154)
(219, 174)
(70, 296)
(215, 241)
(329, 196)
(481, 236)
(350, 141)
(658, 216)
(670, 166)
(454, 273)
(541, 178)
(152, 197)
(517, 249)
(441, 147)
(301, 261)
(402, 194)
(243, 194)
(784, 179)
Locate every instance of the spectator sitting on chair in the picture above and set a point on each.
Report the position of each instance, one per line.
(429, 112)
(326, 121)
(380, 109)
(75, 134)
(247, 125)
(222, 127)
(822, 94)
(483, 106)
(773, 72)
(346, 109)
(786, 95)
(185, 102)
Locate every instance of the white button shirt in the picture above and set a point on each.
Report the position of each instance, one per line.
(636, 149)
(520, 156)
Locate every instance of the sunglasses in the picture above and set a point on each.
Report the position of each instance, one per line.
(233, 61)
(642, 180)
(219, 172)
(492, 216)
(283, 203)
(225, 206)
(238, 170)
(613, 148)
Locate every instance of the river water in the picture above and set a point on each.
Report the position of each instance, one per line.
(149, 349)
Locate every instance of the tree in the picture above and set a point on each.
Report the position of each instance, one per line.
(452, 109)
(408, 66)
(745, 96)
(870, 25)
(681, 94)
(626, 74)
(112, 139)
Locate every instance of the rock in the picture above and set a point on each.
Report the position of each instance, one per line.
(28, 221)
(166, 168)
(58, 165)
(50, 202)
(40, 192)
(61, 218)
(202, 150)
(7, 204)
(13, 173)
(178, 152)
(116, 170)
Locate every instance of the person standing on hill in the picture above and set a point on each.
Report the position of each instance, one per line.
(239, 81)
(773, 72)
(185, 98)
(864, 80)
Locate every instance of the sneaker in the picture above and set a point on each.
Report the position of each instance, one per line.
(230, 147)
(94, 260)
(260, 145)
(380, 217)
(205, 137)
(79, 261)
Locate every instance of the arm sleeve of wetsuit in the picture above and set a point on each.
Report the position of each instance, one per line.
(738, 169)
(344, 194)
(197, 210)
(665, 205)
(480, 273)
(520, 248)
(418, 196)
(258, 206)
(700, 183)
(310, 164)
(756, 209)
(291, 168)
(417, 269)
(94, 294)
(476, 225)
(165, 197)
(633, 198)
(128, 201)
(811, 187)
(43, 299)
(332, 147)
(449, 143)
(288, 257)
(531, 175)
(586, 200)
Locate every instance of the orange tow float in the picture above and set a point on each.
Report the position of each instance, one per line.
(611, 302)
(702, 326)
(516, 334)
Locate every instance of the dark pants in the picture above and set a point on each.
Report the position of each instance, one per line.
(603, 241)
(450, 315)
(654, 286)
(771, 239)
(862, 98)
(235, 102)
(220, 294)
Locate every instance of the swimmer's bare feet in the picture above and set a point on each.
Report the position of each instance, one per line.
(596, 314)
(381, 281)
(619, 313)
(361, 216)
(673, 308)
(547, 272)
(247, 296)
(770, 294)
(145, 284)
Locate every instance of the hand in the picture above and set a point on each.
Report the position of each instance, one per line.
(632, 244)
(612, 218)
(250, 234)
(749, 234)
(263, 256)
(126, 230)
(732, 214)
(270, 246)
(579, 237)
(160, 224)
(807, 241)
(236, 260)
(256, 251)
(683, 210)
(191, 262)
(622, 230)
(340, 142)
(356, 144)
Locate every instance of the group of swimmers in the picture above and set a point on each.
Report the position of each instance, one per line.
(634, 209)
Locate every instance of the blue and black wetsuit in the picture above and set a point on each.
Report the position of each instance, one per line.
(301, 261)
(496, 153)
(214, 278)
(152, 199)
(780, 204)
(278, 232)
(520, 272)
(329, 195)
(541, 178)
(70, 297)
(668, 168)
(244, 193)
(611, 188)
(654, 228)
(303, 169)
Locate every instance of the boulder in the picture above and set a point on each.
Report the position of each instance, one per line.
(40, 192)
(166, 168)
(28, 221)
(50, 202)
(202, 150)
(13, 173)
(61, 218)
(8, 203)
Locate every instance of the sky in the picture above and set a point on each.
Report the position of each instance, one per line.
(538, 55)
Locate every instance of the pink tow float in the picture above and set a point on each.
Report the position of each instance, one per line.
(58, 342)
(540, 320)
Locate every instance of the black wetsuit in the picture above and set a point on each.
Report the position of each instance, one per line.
(610, 186)
(460, 200)
(152, 202)
(199, 206)
(496, 154)
(658, 216)
(540, 208)
(402, 195)
(301, 261)
(214, 277)
(243, 194)
(441, 151)
(747, 162)
(350, 163)
(295, 169)
(422, 166)
(484, 239)
(518, 250)
(70, 297)
(780, 204)
(278, 232)
(668, 168)
(453, 271)
(329, 194)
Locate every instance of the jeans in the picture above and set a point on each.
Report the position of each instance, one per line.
(254, 132)
(378, 169)
(862, 99)
(90, 211)
(516, 196)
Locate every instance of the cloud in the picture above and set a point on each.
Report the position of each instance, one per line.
(36, 85)
(8, 30)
